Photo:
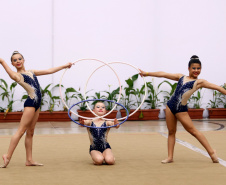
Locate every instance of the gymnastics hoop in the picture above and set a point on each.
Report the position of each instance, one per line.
(145, 93)
(120, 92)
(69, 110)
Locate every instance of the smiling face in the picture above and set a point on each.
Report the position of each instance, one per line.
(100, 109)
(18, 61)
(194, 70)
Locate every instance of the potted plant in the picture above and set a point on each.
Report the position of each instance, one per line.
(83, 109)
(223, 97)
(168, 93)
(127, 99)
(111, 95)
(218, 100)
(6, 114)
(50, 114)
(51, 101)
(195, 111)
(153, 101)
(69, 97)
(130, 92)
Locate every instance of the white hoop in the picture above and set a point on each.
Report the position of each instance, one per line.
(85, 96)
(115, 103)
(145, 93)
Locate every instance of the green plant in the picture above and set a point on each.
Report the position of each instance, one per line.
(138, 93)
(2, 109)
(8, 93)
(53, 100)
(111, 95)
(69, 96)
(24, 97)
(79, 96)
(97, 96)
(223, 97)
(153, 100)
(129, 90)
(48, 98)
(196, 99)
(45, 94)
(170, 92)
(216, 99)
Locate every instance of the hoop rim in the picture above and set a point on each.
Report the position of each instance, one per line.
(85, 96)
(145, 84)
(126, 117)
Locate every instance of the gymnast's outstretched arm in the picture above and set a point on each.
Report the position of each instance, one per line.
(115, 122)
(162, 74)
(52, 70)
(85, 122)
(206, 84)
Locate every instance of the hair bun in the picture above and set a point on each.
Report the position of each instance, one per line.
(15, 52)
(194, 57)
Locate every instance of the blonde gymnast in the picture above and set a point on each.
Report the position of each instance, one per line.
(28, 80)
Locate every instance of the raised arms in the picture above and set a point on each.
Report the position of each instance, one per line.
(162, 74)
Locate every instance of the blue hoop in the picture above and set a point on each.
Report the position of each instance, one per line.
(127, 113)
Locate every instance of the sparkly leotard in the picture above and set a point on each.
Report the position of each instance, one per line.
(178, 101)
(98, 138)
(30, 83)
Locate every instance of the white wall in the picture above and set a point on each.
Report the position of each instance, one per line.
(152, 35)
(26, 27)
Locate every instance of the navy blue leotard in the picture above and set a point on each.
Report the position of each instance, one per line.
(98, 138)
(178, 101)
(30, 83)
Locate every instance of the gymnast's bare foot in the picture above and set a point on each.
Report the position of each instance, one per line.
(6, 161)
(32, 163)
(168, 160)
(214, 157)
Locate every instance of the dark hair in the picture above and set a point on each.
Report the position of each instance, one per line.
(194, 60)
(16, 52)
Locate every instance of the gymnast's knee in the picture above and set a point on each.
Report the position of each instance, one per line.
(99, 160)
(193, 132)
(110, 160)
(171, 132)
(30, 133)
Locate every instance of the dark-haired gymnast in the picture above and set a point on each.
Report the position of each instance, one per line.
(177, 109)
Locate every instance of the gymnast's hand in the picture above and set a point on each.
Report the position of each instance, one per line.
(68, 65)
(143, 73)
(82, 121)
(116, 123)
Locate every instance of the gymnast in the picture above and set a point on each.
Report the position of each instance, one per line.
(28, 80)
(100, 149)
(177, 109)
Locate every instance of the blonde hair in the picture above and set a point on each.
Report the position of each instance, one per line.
(16, 52)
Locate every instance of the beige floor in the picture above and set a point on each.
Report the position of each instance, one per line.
(127, 127)
(137, 146)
